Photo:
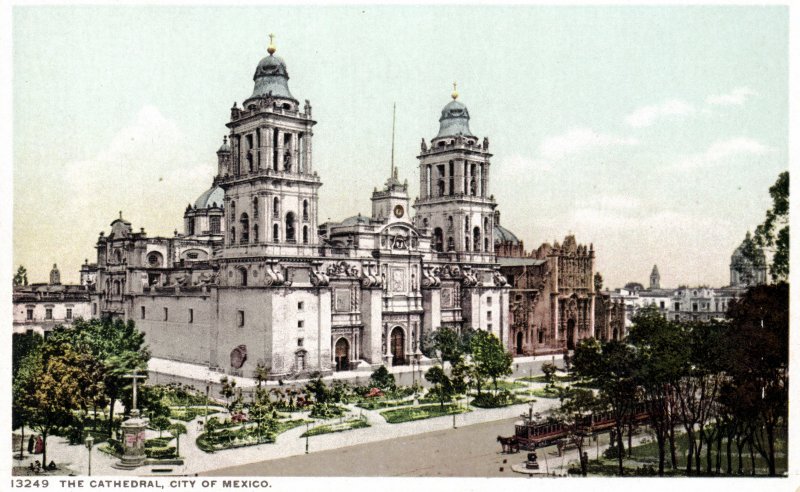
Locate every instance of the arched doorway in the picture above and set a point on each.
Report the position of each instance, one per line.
(571, 334)
(342, 351)
(519, 343)
(616, 334)
(398, 347)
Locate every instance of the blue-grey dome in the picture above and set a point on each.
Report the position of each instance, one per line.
(454, 120)
(503, 235)
(225, 147)
(212, 196)
(271, 76)
(356, 219)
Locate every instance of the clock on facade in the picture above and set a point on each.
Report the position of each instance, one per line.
(398, 211)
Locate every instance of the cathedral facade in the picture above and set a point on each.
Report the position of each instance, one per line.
(256, 280)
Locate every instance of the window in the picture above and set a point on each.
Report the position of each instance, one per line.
(489, 301)
(305, 234)
(662, 304)
(241, 318)
(191, 256)
(94, 308)
(166, 314)
(30, 315)
(290, 236)
(276, 207)
(245, 223)
(488, 315)
(301, 324)
(255, 233)
(48, 313)
(191, 315)
(255, 207)
(677, 306)
(215, 225)
(677, 317)
(300, 306)
(143, 312)
(69, 313)
(541, 336)
(305, 210)
(694, 306)
(299, 342)
(275, 232)
(489, 327)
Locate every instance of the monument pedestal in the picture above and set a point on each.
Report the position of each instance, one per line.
(133, 455)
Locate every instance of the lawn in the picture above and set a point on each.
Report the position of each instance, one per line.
(331, 428)
(408, 414)
(541, 392)
(246, 436)
(191, 413)
(541, 379)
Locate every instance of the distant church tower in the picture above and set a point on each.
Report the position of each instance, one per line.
(55, 276)
(454, 202)
(266, 169)
(655, 278)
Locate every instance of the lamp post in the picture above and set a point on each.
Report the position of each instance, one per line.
(89, 445)
(208, 390)
(307, 430)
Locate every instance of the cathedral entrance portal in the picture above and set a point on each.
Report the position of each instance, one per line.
(519, 343)
(571, 334)
(342, 350)
(398, 347)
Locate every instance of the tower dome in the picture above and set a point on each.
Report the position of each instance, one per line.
(454, 120)
(213, 197)
(272, 77)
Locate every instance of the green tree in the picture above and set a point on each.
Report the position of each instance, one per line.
(773, 233)
(448, 346)
(177, 429)
(491, 359)
(228, 388)
(261, 373)
(383, 379)
(317, 388)
(576, 405)
(160, 423)
(23, 344)
(549, 370)
(442, 386)
(661, 359)
(611, 368)
(53, 383)
(21, 277)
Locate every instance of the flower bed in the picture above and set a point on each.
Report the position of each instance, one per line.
(245, 436)
(191, 413)
(331, 428)
(408, 414)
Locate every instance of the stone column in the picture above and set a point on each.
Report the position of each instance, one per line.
(308, 160)
(591, 314)
(280, 150)
(295, 146)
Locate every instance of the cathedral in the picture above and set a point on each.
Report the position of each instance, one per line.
(256, 280)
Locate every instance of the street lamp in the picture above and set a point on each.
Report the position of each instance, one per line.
(307, 430)
(208, 390)
(89, 445)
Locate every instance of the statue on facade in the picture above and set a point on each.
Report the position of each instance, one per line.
(485, 143)
(423, 146)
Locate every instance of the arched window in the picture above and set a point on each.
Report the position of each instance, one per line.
(245, 223)
(451, 245)
(467, 241)
(290, 227)
(243, 277)
(276, 233)
(486, 244)
(305, 210)
(233, 236)
(476, 239)
(233, 211)
(438, 239)
(191, 226)
(305, 234)
(255, 207)
(255, 233)
(276, 203)
(450, 223)
(466, 224)
(425, 222)
(215, 225)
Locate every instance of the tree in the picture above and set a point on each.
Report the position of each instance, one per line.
(21, 277)
(261, 373)
(773, 233)
(661, 359)
(576, 405)
(447, 346)
(160, 423)
(490, 357)
(611, 368)
(442, 385)
(319, 390)
(758, 362)
(23, 344)
(53, 383)
(177, 429)
(549, 369)
(228, 388)
(382, 379)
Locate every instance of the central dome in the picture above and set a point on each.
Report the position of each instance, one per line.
(454, 121)
(213, 197)
(271, 76)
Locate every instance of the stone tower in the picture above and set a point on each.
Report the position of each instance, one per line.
(266, 170)
(55, 276)
(454, 203)
(655, 278)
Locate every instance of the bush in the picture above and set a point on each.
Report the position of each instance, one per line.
(381, 378)
(611, 453)
(488, 400)
(157, 442)
(114, 446)
(323, 411)
(160, 453)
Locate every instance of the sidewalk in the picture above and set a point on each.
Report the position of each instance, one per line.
(287, 444)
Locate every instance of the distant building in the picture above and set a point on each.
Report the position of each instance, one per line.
(748, 264)
(40, 307)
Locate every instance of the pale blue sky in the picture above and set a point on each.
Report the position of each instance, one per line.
(652, 132)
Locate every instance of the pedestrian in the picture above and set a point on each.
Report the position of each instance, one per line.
(31, 442)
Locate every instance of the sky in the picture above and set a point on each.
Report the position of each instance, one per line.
(652, 132)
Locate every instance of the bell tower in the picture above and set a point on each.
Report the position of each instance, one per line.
(454, 203)
(266, 169)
